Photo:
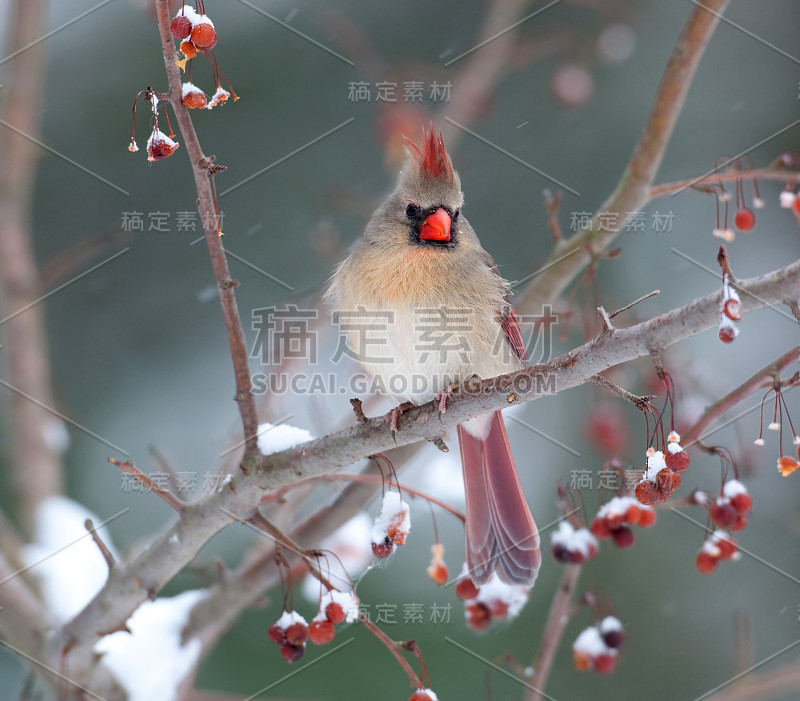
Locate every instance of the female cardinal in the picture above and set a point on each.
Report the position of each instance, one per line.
(424, 307)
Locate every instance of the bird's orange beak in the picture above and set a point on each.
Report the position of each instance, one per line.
(436, 226)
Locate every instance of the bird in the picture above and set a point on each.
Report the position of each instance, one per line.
(424, 308)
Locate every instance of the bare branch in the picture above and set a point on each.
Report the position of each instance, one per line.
(761, 379)
(36, 466)
(756, 173)
(225, 284)
(557, 621)
(148, 484)
(633, 190)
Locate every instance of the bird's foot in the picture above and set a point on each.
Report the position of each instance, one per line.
(393, 417)
(443, 396)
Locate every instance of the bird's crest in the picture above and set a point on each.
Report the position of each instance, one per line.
(432, 158)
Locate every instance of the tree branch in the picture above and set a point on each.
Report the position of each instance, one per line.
(571, 255)
(554, 629)
(36, 466)
(762, 378)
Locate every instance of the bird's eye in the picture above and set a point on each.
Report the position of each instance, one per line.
(455, 216)
(413, 211)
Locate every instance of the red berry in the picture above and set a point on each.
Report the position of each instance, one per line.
(677, 462)
(727, 548)
(498, 609)
(561, 553)
(706, 562)
(787, 464)
(181, 27)
(667, 482)
(614, 520)
(727, 334)
(599, 528)
(742, 502)
(634, 514)
(648, 518)
(739, 524)
(383, 550)
(605, 662)
(745, 219)
(334, 612)
(607, 430)
(647, 493)
(466, 589)
(276, 634)
(195, 100)
(297, 633)
(722, 513)
(479, 617)
(623, 537)
(188, 49)
(733, 309)
(292, 653)
(438, 572)
(203, 35)
(321, 632)
(614, 638)
(582, 660)
(420, 695)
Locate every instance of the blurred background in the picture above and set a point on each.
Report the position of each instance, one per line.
(140, 357)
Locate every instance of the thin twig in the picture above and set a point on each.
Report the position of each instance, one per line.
(640, 403)
(106, 553)
(149, 484)
(732, 176)
(634, 303)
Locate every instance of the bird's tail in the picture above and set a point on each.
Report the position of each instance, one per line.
(501, 533)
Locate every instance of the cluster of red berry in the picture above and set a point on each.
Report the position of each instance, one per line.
(291, 631)
(615, 517)
(391, 526)
(159, 145)
(597, 647)
(494, 600)
(787, 464)
(662, 477)
(730, 509)
(744, 219)
(572, 545)
(730, 312)
(195, 32)
(717, 547)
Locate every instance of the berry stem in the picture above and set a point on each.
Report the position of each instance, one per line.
(393, 647)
